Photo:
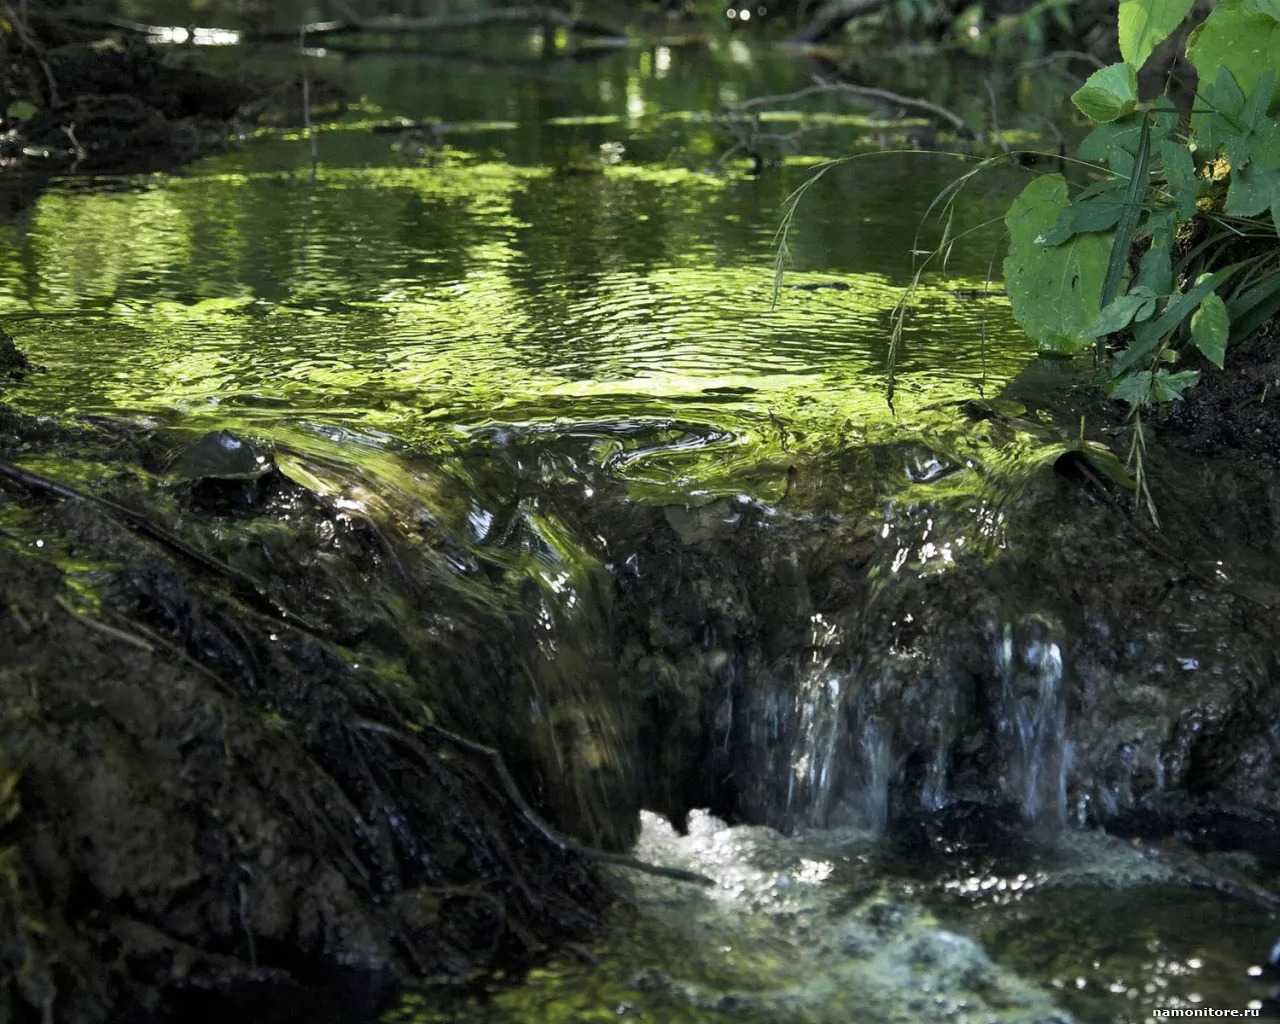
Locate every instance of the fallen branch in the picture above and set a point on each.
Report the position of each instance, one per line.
(832, 16)
(444, 23)
(852, 92)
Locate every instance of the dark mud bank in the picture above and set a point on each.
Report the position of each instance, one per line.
(211, 806)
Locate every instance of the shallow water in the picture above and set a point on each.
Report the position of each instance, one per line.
(559, 310)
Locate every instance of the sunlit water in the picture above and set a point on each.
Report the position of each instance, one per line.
(567, 286)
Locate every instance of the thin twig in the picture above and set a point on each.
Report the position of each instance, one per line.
(556, 838)
(102, 627)
(848, 90)
(831, 16)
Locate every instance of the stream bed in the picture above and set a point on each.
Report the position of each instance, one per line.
(989, 757)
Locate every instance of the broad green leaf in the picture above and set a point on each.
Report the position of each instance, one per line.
(1256, 102)
(1098, 214)
(1275, 216)
(1165, 116)
(1145, 387)
(1155, 271)
(1145, 24)
(1210, 327)
(1168, 387)
(1180, 177)
(1119, 313)
(1265, 151)
(1108, 94)
(1218, 107)
(1271, 8)
(1244, 42)
(1116, 143)
(1054, 290)
(1252, 192)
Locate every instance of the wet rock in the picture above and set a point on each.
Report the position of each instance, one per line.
(13, 362)
(214, 808)
(220, 455)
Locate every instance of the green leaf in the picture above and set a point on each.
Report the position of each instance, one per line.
(1102, 460)
(1127, 226)
(1098, 214)
(1253, 308)
(1147, 336)
(1145, 387)
(1145, 24)
(1210, 327)
(1119, 313)
(1168, 387)
(1054, 290)
(1116, 143)
(1271, 8)
(1134, 388)
(1165, 118)
(1275, 216)
(1156, 269)
(19, 110)
(1243, 42)
(1264, 154)
(1256, 102)
(1252, 192)
(1218, 107)
(1108, 94)
(1184, 185)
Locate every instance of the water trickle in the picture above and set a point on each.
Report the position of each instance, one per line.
(876, 754)
(819, 708)
(1032, 722)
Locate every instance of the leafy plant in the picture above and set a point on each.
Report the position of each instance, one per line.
(1172, 247)
(1166, 178)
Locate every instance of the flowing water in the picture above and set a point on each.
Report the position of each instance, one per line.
(548, 325)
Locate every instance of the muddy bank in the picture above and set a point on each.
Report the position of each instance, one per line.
(81, 101)
(213, 804)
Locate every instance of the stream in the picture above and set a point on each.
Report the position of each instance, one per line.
(876, 669)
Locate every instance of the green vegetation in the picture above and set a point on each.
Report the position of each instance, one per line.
(1174, 248)
(1169, 245)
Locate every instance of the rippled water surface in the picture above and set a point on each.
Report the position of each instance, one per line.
(583, 265)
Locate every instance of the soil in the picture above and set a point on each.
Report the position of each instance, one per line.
(1236, 409)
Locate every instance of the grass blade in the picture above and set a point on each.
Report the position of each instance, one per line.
(1127, 226)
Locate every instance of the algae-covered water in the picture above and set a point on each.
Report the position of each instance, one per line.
(559, 308)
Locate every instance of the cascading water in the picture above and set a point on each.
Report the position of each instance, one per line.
(1031, 722)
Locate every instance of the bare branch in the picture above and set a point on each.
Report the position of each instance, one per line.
(832, 15)
(855, 93)
(443, 23)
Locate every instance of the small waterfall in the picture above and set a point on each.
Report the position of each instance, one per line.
(819, 707)
(1032, 723)
(876, 753)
